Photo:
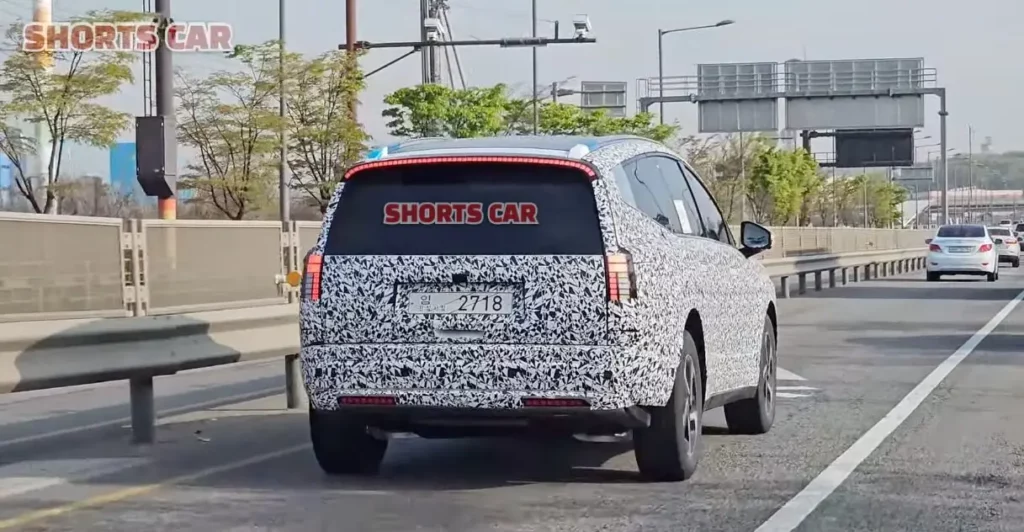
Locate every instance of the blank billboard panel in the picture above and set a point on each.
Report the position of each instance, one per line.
(737, 80)
(738, 116)
(846, 112)
(607, 95)
(854, 76)
(874, 148)
(915, 173)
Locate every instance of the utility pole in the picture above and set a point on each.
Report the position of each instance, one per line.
(350, 47)
(282, 170)
(970, 173)
(43, 13)
(536, 106)
(433, 54)
(164, 77)
(425, 51)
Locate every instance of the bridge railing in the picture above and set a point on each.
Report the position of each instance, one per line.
(62, 267)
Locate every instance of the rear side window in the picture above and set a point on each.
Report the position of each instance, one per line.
(466, 209)
(961, 231)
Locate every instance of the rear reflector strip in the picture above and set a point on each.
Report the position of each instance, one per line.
(367, 400)
(472, 159)
(538, 402)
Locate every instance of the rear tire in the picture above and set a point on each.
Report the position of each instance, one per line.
(343, 447)
(1016, 263)
(932, 277)
(993, 277)
(668, 450)
(756, 414)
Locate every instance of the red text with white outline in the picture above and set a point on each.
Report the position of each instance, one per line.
(460, 213)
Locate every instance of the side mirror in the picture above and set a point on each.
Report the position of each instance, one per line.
(756, 238)
(927, 241)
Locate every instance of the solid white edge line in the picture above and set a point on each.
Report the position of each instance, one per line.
(797, 509)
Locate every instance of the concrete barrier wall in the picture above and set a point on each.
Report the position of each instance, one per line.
(62, 267)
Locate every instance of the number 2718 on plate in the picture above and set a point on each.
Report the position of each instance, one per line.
(460, 303)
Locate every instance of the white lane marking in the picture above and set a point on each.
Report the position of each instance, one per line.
(796, 510)
(796, 389)
(786, 395)
(785, 375)
(24, 477)
(101, 424)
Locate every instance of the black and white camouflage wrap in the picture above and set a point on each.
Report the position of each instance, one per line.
(565, 340)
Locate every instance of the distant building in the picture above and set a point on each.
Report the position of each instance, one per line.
(124, 174)
(6, 181)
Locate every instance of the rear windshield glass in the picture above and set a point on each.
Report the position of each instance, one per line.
(1020, 228)
(962, 231)
(998, 231)
(466, 209)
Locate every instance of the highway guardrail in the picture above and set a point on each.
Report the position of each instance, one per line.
(52, 354)
(64, 267)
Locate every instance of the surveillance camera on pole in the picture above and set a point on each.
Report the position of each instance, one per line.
(435, 29)
(581, 26)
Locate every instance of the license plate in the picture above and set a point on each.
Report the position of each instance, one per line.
(961, 249)
(460, 303)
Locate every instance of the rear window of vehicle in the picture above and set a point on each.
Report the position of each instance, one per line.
(466, 209)
(998, 231)
(961, 231)
(1020, 228)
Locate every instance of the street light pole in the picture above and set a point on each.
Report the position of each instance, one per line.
(661, 58)
(536, 108)
(661, 77)
(282, 169)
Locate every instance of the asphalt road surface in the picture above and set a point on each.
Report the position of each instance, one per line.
(903, 409)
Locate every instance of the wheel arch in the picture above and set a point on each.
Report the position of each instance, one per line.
(696, 329)
(774, 319)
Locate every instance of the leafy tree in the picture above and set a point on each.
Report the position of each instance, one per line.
(438, 111)
(324, 137)
(231, 120)
(64, 101)
(779, 183)
(719, 160)
(568, 119)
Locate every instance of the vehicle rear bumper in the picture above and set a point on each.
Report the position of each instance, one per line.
(978, 264)
(483, 378)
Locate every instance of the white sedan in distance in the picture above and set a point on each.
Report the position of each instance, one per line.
(963, 249)
(1007, 245)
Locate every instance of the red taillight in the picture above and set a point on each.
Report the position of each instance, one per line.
(368, 400)
(472, 159)
(538, 402)
(934, 247)
(1011, 241)
(621, 279)
(985, 247)
(311, 278)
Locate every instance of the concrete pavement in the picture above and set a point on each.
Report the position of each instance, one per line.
(954, 463)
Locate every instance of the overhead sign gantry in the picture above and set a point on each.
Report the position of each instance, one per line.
(870, 107)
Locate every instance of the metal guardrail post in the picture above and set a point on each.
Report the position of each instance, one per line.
(295, 392)
(143, 410)
(135, 266)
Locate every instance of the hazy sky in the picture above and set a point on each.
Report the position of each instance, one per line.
(974, 45)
